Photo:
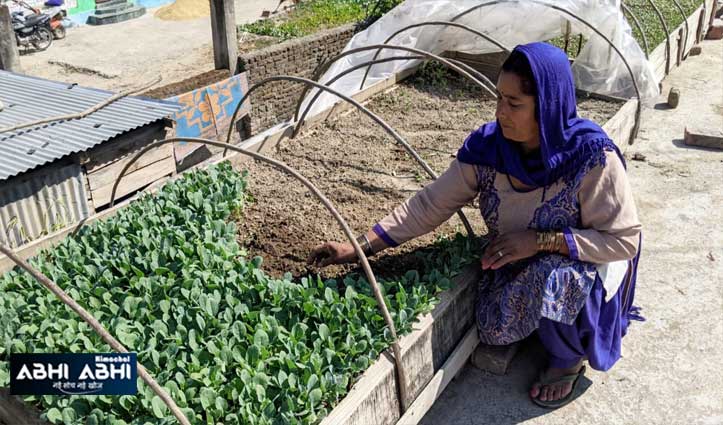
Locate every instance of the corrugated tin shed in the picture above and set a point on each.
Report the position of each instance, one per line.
(33, 207)
(28, 99)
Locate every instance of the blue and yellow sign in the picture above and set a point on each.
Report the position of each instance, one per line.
(207, 111)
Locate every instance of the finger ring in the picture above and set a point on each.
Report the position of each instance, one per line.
(500, 254)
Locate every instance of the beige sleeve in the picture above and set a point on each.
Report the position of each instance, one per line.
(611, 228)
(431, 206)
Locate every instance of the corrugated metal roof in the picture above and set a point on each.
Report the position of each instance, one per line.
(38, 206)
(28, 99)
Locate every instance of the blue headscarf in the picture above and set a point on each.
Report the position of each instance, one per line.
(567, 142)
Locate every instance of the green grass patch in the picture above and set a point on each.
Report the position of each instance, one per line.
(651, 23)
(316, 15)
(648, 20)
(308, 18)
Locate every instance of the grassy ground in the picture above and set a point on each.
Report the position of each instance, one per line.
(315, 15)
(308, 18)
(648, 19)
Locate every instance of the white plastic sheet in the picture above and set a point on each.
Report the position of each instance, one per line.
(598, 68)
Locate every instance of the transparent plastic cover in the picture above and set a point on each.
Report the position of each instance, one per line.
(598, 68)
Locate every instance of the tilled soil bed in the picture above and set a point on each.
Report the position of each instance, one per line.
(366, 174)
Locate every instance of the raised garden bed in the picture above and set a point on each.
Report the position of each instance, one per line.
(365, 173)
(229, 343)
(192, 347)
(308, 17)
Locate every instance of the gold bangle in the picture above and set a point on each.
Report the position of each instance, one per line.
(541, 239)
(549, 241)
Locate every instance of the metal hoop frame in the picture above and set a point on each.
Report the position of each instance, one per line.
(667, 35)
(431, 56)
(356, 104)
(329, 206)
(627, 10)
(638, 109)
(437, 23)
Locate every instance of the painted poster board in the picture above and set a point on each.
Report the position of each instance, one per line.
(207, 112)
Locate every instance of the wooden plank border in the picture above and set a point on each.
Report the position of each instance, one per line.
(697, 22)
(373, 398)
(441, 379)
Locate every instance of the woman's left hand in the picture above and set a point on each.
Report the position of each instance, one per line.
(508, 248)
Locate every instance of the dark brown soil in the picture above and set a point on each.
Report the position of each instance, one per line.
(365, 174)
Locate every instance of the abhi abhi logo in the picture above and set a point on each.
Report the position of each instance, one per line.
(73, 374)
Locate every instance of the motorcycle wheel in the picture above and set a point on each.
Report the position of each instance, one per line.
(42, 39)
(59, 32)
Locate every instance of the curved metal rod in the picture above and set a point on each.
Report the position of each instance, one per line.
(667, 35)
(407, 147)
(685, 21)
(428, 55)
(301, 119)
(329, 206)
(492, 87)
(356, 104)
(98, 328)
(638, 26)
(638, 109)
(442, 23)
(410, 149)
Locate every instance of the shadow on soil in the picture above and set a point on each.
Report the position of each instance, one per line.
(389, 265)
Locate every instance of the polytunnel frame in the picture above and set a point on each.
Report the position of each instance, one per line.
(457, 64)
(659, 14)
(354, 103)
(638, 26)
(687, 28)
(403, 394)
(638, 108)
(299, 123)
(429, 23)
(108, 338)
(446, 62)
(98, 328)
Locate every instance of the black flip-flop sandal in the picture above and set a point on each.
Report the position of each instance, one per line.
(554, 404)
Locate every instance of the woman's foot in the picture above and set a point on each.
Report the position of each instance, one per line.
(557, 390)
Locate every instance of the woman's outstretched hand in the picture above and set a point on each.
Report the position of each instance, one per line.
(330, 253)
(508, 248)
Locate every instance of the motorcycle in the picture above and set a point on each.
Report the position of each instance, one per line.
(57, 14)
(53, 10)
(32, 30)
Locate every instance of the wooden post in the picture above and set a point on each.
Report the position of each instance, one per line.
(713, 13)
(9, 56)
(223, 31)
(699, 29)
(568, 29)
